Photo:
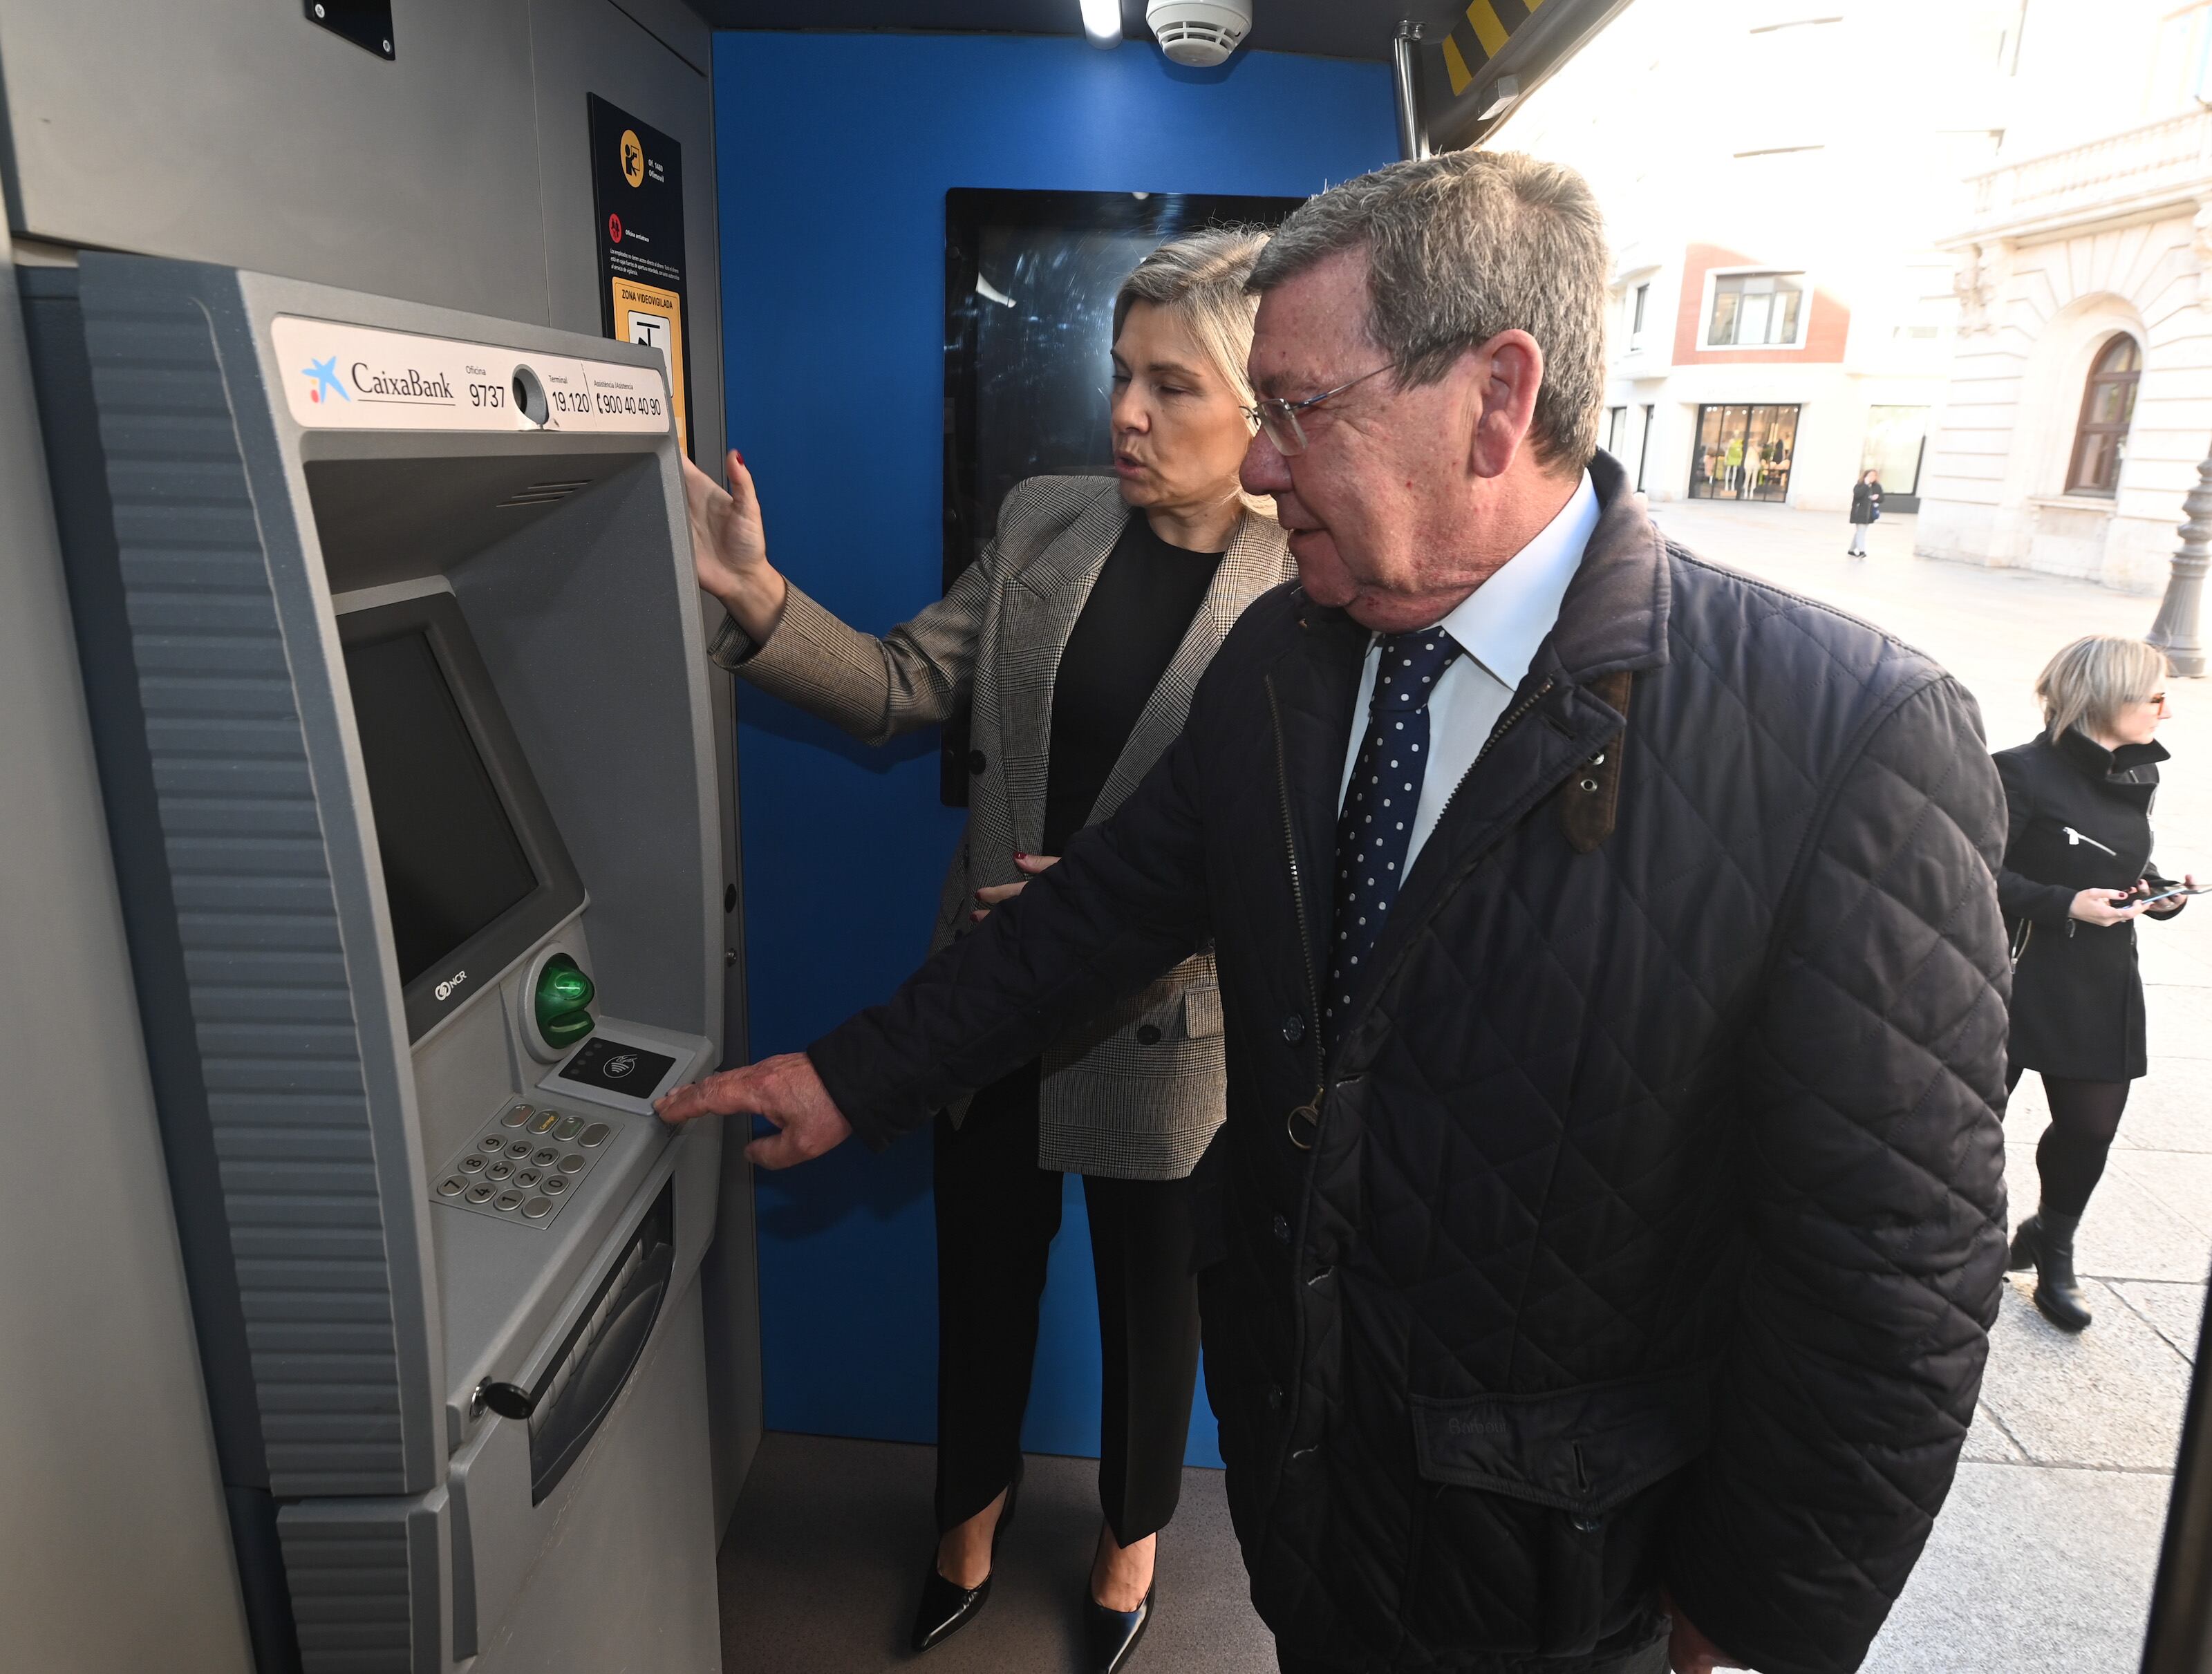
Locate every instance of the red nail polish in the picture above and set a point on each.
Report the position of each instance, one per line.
(1018, 855)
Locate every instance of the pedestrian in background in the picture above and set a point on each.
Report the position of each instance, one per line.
(1866, 507)
(2077, 875)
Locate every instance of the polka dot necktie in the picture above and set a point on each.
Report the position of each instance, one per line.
(1376, 825)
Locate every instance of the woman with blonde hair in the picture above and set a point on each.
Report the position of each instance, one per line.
(2075, 877)
(1075, 642)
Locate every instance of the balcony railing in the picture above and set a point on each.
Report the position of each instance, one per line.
(2172, 157)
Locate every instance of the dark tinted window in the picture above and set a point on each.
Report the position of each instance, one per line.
(452, 862)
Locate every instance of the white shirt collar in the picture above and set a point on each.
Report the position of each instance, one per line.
(1501, 623)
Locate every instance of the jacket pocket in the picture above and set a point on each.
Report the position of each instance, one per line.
(1574, 1457)
(1201, 1012)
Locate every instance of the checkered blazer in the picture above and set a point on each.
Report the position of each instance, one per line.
(1136, 1092)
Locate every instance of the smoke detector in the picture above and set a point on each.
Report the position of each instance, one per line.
(1198, 33)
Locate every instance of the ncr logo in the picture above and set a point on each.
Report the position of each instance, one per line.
(451, 985)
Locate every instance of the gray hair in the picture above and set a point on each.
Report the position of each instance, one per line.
(2088, 683)
(1203, 280)
(1460, 248)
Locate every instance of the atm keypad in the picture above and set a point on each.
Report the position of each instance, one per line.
(524, 1164)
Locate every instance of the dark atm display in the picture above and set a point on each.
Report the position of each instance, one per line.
(475, 872)
(452, 861)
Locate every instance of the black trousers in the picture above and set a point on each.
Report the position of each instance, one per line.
(997, 1214)
(2069, 1158)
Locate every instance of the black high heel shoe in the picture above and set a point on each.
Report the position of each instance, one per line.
(1111, 1636)
(946, 1607)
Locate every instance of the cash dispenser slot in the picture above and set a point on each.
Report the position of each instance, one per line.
(579, 1389)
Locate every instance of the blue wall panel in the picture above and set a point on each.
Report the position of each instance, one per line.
(835, 153)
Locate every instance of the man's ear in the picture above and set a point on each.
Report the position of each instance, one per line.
(1507, 371)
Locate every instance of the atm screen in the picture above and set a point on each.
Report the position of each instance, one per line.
(452, 862)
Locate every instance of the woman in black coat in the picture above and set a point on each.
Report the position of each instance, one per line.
(2077, 875)
(1866, 506)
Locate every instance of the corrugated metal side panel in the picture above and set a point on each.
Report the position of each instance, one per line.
(258, 918)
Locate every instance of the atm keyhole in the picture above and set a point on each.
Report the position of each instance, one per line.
(530, 396)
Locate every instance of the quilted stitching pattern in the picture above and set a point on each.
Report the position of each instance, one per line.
(1718, 1097)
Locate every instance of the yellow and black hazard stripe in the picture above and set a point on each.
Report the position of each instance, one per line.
(1480, 36)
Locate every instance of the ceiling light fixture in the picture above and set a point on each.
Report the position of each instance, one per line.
(1101, 23)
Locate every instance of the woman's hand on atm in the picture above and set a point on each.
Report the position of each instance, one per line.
(992, 895)
(729, 548)
(786, 1090)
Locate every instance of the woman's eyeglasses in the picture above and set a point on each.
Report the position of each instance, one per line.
(1279, 418)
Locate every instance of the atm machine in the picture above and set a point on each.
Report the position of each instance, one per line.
(393, 653)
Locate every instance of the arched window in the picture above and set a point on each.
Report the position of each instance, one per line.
(2107, 406)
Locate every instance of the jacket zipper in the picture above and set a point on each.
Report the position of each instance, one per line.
(2074, 837)
(1505, 725)
(1299, 903)
(1506, 722)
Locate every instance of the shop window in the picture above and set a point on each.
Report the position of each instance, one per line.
(2108, 406)
(1757, 310)
(1743, 453)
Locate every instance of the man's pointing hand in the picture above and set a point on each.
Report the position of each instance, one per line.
(786, 1090)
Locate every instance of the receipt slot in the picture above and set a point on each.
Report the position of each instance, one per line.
(392, 653)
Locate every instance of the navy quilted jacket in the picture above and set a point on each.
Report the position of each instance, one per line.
(1645, 1227)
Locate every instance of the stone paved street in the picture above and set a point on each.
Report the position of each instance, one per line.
(2043, 1559)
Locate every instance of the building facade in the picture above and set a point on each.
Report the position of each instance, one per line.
(2079, 402)
(1777, 180)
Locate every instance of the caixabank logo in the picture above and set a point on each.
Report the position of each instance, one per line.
(404, 384)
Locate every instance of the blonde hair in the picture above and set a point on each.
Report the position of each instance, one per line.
(2087, 685)
(1200, 280)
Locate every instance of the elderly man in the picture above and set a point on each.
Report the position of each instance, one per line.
(1608, 1217)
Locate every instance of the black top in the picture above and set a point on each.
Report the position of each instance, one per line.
(1138, 610)
(1866, 501)
(2079, 819)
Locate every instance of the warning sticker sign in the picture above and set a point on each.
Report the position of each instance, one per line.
(637, 187)
(647, 314)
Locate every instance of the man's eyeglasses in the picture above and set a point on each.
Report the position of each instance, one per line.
(1279, 418)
